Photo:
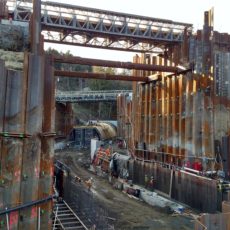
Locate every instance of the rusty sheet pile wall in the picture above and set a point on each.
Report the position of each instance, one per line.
(26, 143)
(178, 121)
(220, 221)
(174, 118)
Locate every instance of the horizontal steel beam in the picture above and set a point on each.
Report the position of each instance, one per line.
(102, 76)
(116, 64)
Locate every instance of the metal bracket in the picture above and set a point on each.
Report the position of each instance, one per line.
(15, 135)
(48, 134)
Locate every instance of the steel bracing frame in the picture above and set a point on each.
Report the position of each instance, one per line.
(83, 26)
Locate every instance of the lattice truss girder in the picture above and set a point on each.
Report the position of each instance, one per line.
(62, 23)
(73, 96)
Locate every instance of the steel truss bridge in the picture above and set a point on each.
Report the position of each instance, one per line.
(83, 26)
(90, 96)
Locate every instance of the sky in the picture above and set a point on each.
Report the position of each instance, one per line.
(191, 11)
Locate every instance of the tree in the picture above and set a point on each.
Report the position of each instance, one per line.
(67, 83)
(96, 84)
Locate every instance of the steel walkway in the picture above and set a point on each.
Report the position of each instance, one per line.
(83, 26)
(65, 218)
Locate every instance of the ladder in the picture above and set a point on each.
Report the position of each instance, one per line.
(65, 218)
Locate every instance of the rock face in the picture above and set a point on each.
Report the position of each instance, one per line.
(13, 60)
(3, 9)
(14, 36)
(11, 38)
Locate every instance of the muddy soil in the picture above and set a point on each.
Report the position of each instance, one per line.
(129, 213)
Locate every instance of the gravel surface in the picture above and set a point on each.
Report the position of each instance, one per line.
(127, 213)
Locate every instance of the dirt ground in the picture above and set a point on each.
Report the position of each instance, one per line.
(129, 213)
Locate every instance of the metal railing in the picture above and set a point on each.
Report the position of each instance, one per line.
(83, 202)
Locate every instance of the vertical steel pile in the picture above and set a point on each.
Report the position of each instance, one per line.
(64, 119)
(32, 146)
(26, 145)
(125, 125)
(47, 143)
(3, 9)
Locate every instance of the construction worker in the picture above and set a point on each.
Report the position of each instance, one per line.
(146, 180)
(98, 155)
(107, 152)
(89, 183)
(151, 183)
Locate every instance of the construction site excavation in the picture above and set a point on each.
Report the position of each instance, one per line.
(103, 144)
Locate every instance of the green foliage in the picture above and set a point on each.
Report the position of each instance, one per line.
(95, 84)
(65, 83)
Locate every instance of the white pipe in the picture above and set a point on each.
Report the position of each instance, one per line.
(55, 219)
(39, 218)
(7, 221)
